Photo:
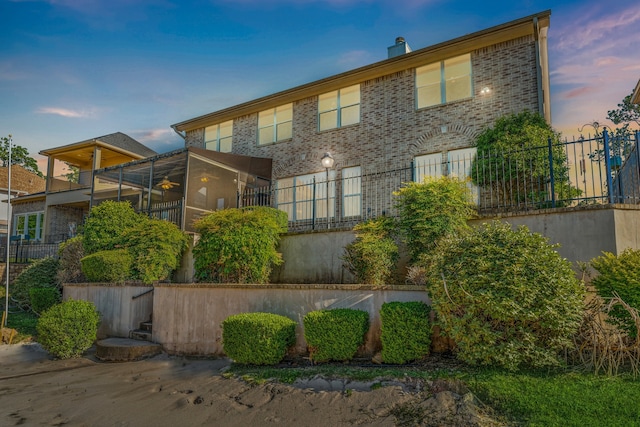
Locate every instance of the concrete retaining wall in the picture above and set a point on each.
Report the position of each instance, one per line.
(188, 318)
(119, 312)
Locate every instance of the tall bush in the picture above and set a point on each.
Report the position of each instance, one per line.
(621, 275)
(239, 245)
(43, 298)
(506, 297)
(257, 338)
(41, 274)
(68, 329)
(106, 225)
(156, 247)
(335, 334)
(405, 331)
(372, 256)
(431, 210)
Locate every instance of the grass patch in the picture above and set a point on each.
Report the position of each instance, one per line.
(545, 398)
(559, 399)
(25, 323)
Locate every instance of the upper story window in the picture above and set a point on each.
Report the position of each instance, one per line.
(444, 81)
(218, 137)
(275, 124)
(339, 108)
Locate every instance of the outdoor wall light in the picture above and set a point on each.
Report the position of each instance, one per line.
(485, 90)
(327, 161)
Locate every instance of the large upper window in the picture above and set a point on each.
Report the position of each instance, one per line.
(29, 225)
(275, 124)
(219, 137)
(296, 196)
(444, 81)
(339, 108)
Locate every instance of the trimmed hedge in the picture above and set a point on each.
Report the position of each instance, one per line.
(406, 331)
(335, 334)
(44, 298)
(257, 338)
(68, 329)
(107, 266)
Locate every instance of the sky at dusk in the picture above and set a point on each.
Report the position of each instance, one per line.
(71, 70)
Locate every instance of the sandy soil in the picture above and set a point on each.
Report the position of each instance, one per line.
(169, 391)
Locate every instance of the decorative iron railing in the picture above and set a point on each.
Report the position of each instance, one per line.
(565, 174)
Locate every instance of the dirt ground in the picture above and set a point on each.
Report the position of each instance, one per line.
(172, 391)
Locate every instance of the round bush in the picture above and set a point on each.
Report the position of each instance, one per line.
(113, 266)
(106, 225)
(41, 274)
(68, 329)
(505, 296)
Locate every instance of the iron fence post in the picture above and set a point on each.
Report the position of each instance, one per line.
(552, 180)
(313, 208)
(607, 165)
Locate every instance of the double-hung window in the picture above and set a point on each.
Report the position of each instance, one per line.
(219, 137)
(351, 191)
(339, 108)
(457, 165)
(275, 124)
(428, 165)
(29, 225)
(444, 81)
(305, 196)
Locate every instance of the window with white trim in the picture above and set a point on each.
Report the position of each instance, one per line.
(275, 124)
(427, 165)
(459, 165)
(352, 191)
(444, 81)
(219, 137)
(296, 196)
(29, 225)
(339, 108)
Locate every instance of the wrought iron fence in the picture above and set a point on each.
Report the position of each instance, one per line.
(20, 252)
(603, 169)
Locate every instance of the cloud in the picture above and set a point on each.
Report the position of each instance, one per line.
(153, 135)
(65, 112)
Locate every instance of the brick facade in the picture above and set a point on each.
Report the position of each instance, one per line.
(391, 131)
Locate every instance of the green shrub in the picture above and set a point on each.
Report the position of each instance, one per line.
(41, 274)
(68, 329)
(44, 298)
(106, 225)
(239, 245)
(372, 256)
(70, 253)
(506, 297)
(431, 210)
(257, 338)
(619, 274)
(335, 334)
(406, 331)
(156, 247)
(112, 266)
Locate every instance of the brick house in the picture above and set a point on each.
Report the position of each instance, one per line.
(422, 108)
(53, 214)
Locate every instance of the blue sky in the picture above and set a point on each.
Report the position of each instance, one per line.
(71, 70)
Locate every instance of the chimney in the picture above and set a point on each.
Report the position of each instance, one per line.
(400, 48)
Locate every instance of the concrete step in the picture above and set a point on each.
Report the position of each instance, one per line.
(146, 326)
(141, 335)
(125, 349)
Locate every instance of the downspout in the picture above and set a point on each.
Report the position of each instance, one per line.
(538, 67)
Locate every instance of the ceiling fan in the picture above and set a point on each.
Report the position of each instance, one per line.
(165, 184)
